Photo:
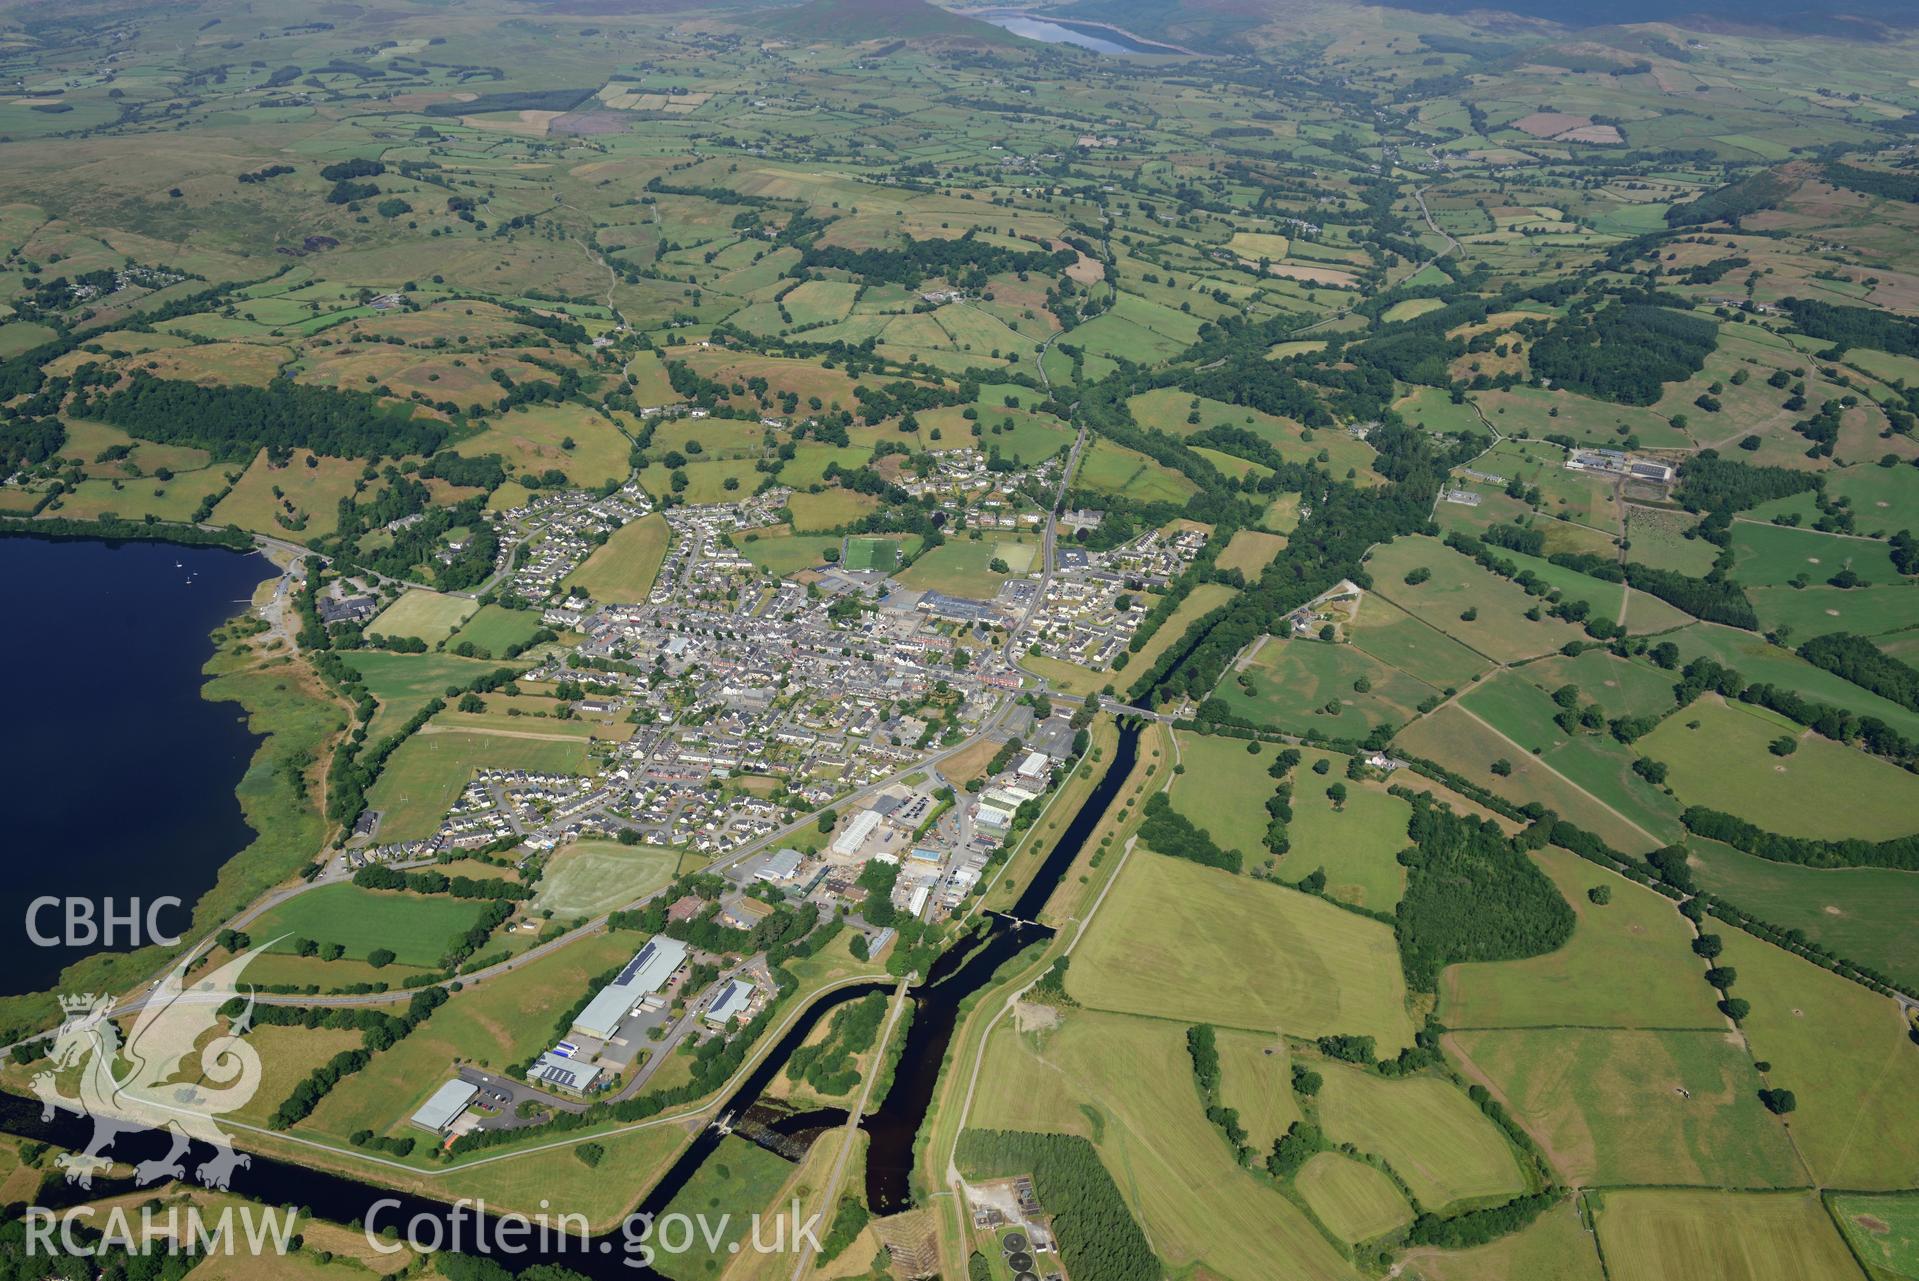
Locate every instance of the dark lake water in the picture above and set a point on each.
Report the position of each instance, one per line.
(119, 777)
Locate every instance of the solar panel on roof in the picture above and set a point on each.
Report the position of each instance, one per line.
(636, 964)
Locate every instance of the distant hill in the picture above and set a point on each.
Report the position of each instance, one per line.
(855, 20)
(1857, 18)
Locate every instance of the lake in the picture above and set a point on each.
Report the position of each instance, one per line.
(120, 778)
(1085, 35)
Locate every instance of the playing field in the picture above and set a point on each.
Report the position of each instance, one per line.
(1194, 943)
(961, 567)
(1127, 1084)
(881, 554)
(428, 616)
(1847, 1056)
(417, 928)
(1628, 964)
(589, 878)
(1354, 1200)
(1614, 1107)
(623, 568)
(1436, 1139)
(1719, 757)
(1664, 1235)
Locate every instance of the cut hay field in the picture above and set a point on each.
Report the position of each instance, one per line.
(417, 928)
(1665, 1235)
(589, 878)
(1442, 1145)
(424, 615)
(1127, 1084)
(1179, 940)
(1294, 685)
(1616, 1107)
(1354, 1200)
(1556, 1247)
(1255, 1078)
(622, 569)
(1846, 1055)
(1864, 914)
(1725, 763)
(1627, 964)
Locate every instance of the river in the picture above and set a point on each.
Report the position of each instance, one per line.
(893, 1126)
(120, 776)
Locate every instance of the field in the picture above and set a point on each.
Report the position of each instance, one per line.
(1862, 913)
(495, 629)
(1726, 764)
(1112, 469)
(783, 554)
(425, 775)
(1844, 1053)
(1174, 939)
(1357, 844)
(1751, 1236)
(1498, 630)
(1127, 1084)
(1628, 964)
(1388, 633)
(1351, 1198)
(1223, 790)
(1883, 1230)
(417, 928)
(1199, 602)
(424, 615)
(307, 504)
(1250, 551)
(1435, 1139)
(1294, 684)
(404, 683)
(1255, 1078)
(1556, 1247)
(623, 569)
(503, 1020)
(593, 877)
(1651, 1107)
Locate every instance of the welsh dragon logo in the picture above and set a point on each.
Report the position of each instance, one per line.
(159, 1078)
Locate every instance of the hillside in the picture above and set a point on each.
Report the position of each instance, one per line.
(856, 20)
